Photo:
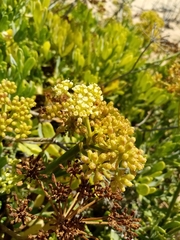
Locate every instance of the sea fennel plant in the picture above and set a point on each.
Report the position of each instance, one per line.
(98, 161)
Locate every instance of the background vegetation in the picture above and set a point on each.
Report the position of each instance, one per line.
(45, 146)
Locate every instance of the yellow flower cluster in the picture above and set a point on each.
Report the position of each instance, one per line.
(81, 99)
(117, 159)
(111, 156)
(9, 178)
(63, 88)
(70, 105)
(14, 112)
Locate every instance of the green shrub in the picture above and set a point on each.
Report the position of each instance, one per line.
(66, 154)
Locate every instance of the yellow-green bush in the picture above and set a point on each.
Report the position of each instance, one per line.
(67, 158)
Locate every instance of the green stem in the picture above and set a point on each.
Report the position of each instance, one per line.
(87, 123)
(173, 201)
(89, 132)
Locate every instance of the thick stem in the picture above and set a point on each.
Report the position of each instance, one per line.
(87, 123)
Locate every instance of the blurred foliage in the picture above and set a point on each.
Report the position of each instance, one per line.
(150, 26)
(45, 42)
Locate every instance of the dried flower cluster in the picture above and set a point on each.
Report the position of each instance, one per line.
(71, 211)
(111, 156)
(21, 214)
(14, 112)
(30, 167)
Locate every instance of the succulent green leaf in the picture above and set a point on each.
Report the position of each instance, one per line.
(144, 82)
(53, 150)
(172, 224)
(3, 162)
(159, 166)
(12, 60)
(39, 200)
(37, 12)
(162, 99)
(114, 235)
(29, 149)
(34, 228)
(152, 94)
(156, 174)
(145, 179)
(46, 3)
(28, 65)
(126, 59)
(143, 189)
(152, 190)
(67, 50)
(47, 130)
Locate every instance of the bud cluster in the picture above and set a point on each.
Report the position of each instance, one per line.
(111, 156)
(14, 112)
(120, 158)
(82, 101)
(9, 178)
(72, 104)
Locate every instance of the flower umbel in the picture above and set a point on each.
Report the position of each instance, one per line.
(109, 154)
(82, 101)
(117, 159)
(14, 112)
